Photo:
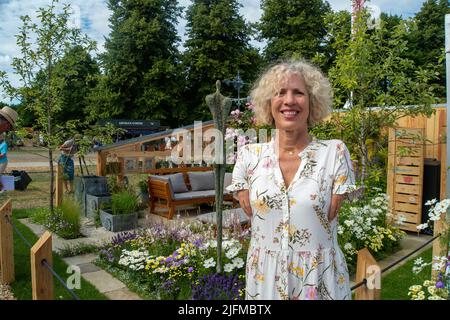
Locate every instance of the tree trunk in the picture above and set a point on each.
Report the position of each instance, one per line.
(52, 174)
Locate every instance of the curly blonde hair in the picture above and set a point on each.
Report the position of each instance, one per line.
(271, 80)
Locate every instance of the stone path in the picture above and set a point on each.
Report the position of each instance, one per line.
(102, 280)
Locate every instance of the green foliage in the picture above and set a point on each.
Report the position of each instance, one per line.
(293, 28)
(378, 84)
(64, 221)
(142, 78)
(43, 44)
(216, 49)
(428, 39)
(77, 249)
(365, 223)
(124, 202)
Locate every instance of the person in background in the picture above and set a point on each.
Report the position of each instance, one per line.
(68, 149)
(8, 119)
(3, 152)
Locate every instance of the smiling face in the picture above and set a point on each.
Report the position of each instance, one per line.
(290, 106)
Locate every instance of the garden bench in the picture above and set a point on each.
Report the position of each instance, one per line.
(172, 187)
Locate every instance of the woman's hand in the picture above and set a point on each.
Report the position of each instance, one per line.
(336, 201)
(244, 201)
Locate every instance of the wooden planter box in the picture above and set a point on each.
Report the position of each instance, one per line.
(118, 222)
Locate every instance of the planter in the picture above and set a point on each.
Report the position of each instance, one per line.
(118, 222)
(94, 203)
(94, 185)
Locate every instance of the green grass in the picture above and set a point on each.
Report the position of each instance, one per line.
(394, 286)
(22, 286)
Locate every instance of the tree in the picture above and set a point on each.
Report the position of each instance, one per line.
(42, 46)
(293, 27)
(77, 83)
(141, 74)
(428, 39)
(216, 49)
(373, 75)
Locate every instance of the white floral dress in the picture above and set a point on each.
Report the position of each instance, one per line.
(293, 251)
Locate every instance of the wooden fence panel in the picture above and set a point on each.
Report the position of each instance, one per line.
(7, 275)
(41, 277)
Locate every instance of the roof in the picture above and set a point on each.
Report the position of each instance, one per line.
(150, 137)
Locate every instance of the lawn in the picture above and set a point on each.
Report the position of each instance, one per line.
(22, 286)
(394, 286)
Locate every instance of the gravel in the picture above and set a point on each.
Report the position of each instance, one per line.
(5, 292)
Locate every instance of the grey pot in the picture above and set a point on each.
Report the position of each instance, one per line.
(118, 222)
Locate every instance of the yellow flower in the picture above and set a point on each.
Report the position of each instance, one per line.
(341, 279)
(340, 180)
(259, 277)
(260, 206)
(292, 202)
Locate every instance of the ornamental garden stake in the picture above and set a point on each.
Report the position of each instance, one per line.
(220, 107)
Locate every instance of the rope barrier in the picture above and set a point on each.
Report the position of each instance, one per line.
(44, 262)
(364, 281)
(19, 233)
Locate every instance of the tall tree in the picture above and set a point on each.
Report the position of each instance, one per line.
(77, 84)
(373, 72)
(216, 49)
(42, 45)
(293, 27)
(141, 79)
(428, 39)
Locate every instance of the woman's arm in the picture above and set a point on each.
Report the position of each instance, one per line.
(336, 202)
(244, 201)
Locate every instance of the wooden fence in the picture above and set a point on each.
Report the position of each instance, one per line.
(41, 277)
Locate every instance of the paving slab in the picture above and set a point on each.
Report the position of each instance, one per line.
(88, 267)
(103, 281)
(122, 294)
(81, 259)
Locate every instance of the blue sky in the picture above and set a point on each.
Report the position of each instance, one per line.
(92, 16)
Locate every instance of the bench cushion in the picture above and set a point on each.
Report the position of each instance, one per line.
(178, 184)
(201, 180)
(194, 195)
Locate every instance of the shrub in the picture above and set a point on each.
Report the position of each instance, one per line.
(124, 202)
(65, 220)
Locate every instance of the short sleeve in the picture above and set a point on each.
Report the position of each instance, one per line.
(239, 179)
(344, 176)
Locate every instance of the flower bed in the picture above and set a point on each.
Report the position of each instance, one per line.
(179, 261)
(366, 224)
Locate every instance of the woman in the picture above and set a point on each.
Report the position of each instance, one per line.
(292, 188)
(68, 149)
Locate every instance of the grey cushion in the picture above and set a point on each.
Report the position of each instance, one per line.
(194, 194)
(201, 180)
(227, 180)
(177, 182)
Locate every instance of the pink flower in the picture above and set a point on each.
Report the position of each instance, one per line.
(311, 293)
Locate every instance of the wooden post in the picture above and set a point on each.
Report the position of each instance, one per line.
(440, 245)
(59, 185)
(41, 277)
(101, 163)
(6, 244)
(367, 268)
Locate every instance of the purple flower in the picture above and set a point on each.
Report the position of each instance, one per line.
(190, 269)
(218, 287)
(440, 285)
